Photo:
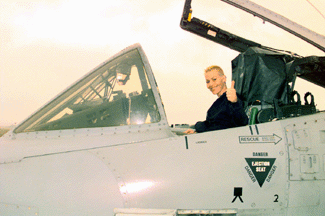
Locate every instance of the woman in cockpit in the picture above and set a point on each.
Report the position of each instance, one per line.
(227, 111)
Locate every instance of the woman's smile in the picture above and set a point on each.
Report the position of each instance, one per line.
(216, 82)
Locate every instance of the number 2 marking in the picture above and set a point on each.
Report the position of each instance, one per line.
(277, 197)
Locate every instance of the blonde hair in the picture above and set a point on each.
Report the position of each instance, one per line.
(214, 67)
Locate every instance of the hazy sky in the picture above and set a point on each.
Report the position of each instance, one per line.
(47, 45)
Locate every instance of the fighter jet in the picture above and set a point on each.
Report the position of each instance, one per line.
(104, 146)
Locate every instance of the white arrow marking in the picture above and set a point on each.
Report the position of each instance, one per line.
(260, 139)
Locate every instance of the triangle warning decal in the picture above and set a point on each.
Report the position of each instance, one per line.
(260, 168)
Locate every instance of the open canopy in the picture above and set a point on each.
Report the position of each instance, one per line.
(310, 68)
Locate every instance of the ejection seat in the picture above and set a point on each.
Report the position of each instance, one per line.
(264, 79)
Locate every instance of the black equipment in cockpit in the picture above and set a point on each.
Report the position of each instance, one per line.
(265, 81)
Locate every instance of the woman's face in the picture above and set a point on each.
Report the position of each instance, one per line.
(216, 83)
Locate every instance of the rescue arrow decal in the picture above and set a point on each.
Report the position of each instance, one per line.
(260, 168)
(260, 139)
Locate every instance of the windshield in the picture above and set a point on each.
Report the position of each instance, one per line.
(117, 93)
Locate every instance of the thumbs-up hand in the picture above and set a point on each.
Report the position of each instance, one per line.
(231, 93)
